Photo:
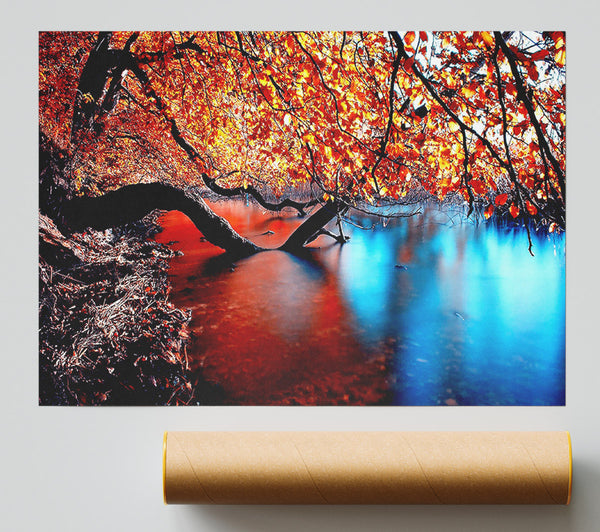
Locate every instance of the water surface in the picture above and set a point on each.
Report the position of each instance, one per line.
(429, 310)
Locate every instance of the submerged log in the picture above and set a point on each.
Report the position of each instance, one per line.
(310, 227)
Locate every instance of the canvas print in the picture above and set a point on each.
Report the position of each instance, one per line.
(302, 218)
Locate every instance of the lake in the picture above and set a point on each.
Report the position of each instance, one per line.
(434, 309)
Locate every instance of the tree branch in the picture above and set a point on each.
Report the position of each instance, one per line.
(240, 191)
(341, 239)
(437, 98)
(337, 113)
(386, 138)
(522, 94)
(311, 226)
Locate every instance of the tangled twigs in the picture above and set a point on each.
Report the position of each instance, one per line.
(108, 333)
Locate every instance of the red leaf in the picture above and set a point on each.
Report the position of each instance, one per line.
(532, 71)
(531, 208)
(514, 210)
(423, 36)
(403, 172)
(477, 186)
(540, 55)
(420, 139)
(501, 199)
(488, 211)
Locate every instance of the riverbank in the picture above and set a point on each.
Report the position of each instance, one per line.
(108, 333)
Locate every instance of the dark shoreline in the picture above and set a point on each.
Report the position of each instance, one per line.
(108, 333)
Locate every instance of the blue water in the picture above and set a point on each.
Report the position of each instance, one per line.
(434, 309)
(473, 317)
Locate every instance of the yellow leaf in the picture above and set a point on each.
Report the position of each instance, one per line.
(309, 138)
(444, 164)
(469, 92)
(488, 38)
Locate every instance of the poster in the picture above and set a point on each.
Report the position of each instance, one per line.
(311, 218)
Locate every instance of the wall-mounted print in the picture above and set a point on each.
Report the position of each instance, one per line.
(302, 218)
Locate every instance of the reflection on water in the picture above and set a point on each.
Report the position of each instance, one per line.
(428, 310)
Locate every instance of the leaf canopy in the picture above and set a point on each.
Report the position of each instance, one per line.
(362, 117)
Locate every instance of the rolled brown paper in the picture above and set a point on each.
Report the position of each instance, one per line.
(367, 467)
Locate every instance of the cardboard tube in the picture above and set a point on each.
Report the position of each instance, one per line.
(367, 467)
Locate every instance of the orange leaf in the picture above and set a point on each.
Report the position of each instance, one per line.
(409, 37)
(514, 210)
(531, 208)
(501, 199)
(470, 90)
(559, 38)
(488, 38)
(403, 172)
(488, 211)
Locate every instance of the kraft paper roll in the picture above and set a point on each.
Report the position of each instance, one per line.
(367, 467)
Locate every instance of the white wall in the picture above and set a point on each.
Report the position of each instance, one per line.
(99, 469)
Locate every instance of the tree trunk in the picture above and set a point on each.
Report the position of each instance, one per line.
(310, 227)
(132, 202)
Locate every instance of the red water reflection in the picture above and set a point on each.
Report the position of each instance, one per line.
(274, 329)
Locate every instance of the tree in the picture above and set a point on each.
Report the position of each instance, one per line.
(340, 120)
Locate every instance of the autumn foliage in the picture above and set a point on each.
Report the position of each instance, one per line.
(356, 118)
